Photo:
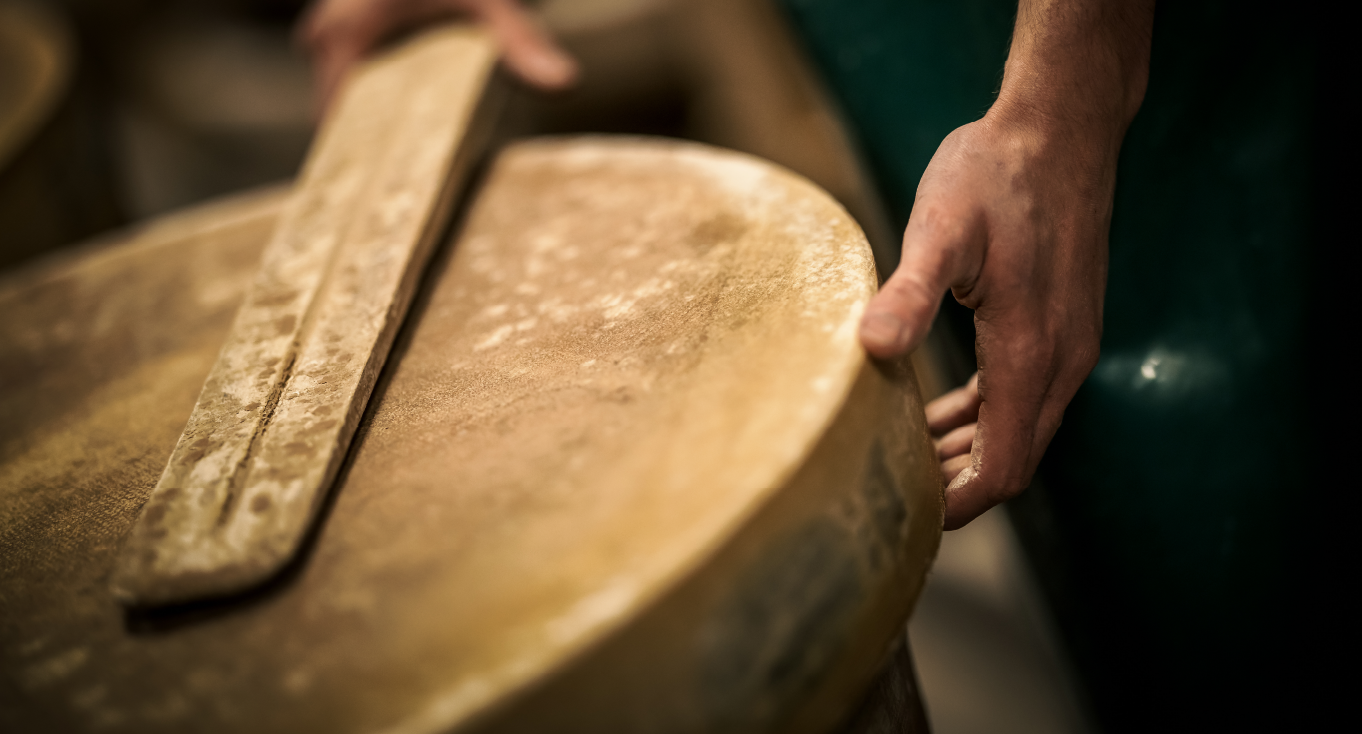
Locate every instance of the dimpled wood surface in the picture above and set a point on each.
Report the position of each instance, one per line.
(628, 469)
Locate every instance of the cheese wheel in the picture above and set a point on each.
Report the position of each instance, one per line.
(628, 469)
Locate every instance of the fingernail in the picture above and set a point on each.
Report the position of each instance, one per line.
(881, 329)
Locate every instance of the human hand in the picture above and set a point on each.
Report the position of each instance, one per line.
(1001, 219)
(953, 419)
(1012, 215)
(338, 33)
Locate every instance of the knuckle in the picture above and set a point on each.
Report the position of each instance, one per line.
(1036, 349)
(1054, 355)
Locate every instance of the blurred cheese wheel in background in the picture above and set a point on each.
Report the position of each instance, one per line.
(55, 182)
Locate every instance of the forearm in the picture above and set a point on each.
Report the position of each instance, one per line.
(1078, 69)
(1012, 215)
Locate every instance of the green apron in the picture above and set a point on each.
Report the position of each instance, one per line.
(1164, 516)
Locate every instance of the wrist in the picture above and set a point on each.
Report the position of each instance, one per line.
(1072, 122)
(1079, 101)
(1076, 70)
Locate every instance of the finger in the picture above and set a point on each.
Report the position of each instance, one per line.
(952, 467)
(330, 69)
(954, 409)
(1015, 377)
(1026, 380)
(939, 247)
(955, 443)
(338, 35)
(530, 52)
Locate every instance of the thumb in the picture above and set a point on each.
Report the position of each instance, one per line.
(939, 247)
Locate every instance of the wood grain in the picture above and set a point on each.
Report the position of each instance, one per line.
(280, 405)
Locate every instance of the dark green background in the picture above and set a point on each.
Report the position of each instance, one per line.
(1170, 523)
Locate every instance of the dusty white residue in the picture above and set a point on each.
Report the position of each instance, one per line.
(55, 668)
(482, 243)
(483, 264)
(545, 242)
(396, 207)
(593, 610)
(828, 284)
(738, 174)
(526, 324)
(544, 246)
(719, 251)
(584, 154)
(497, 336)
(616, 306)
(849, 328)
(556, 310)
(620, 305)
(493, 312)
(535, 266)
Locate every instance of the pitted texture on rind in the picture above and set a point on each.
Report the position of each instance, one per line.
(658, 333)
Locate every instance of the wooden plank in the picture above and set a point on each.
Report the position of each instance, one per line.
(281, 404)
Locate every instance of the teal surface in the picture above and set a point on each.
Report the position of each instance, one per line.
(907, 73)
(1166, 516)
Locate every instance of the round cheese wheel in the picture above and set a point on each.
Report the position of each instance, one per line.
(627, 469)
